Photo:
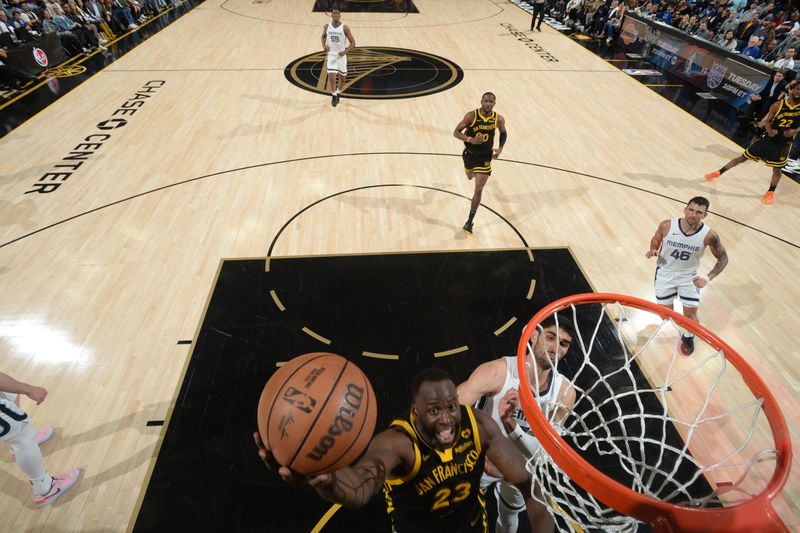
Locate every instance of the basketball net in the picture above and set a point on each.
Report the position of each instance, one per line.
(688, 447)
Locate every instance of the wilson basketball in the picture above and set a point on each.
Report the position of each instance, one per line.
(317, 413)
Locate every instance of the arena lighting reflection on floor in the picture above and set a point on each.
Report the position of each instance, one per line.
(44, 344)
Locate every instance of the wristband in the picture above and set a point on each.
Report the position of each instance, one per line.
(516, 434)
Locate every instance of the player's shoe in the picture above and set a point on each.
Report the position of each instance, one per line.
(42, 436)
(335, 100)
(687, 345)
(61, 484)
(468, 227)
(712, 175)
(769, 197)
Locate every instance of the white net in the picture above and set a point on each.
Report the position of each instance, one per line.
(685, 430)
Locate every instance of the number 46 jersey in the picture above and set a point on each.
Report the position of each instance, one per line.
(442, 491)
(680, 251)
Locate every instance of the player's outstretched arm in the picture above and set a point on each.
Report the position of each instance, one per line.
(352, 486)
(486, 380)
(655, 242)
(355, 485)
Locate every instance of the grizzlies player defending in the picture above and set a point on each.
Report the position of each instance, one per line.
(679, 244)
(333, 41)
(477, 132)
(782, 124)
(495, 387)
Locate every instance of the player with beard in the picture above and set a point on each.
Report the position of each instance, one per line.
(429, 464)
(494, 386)
(678, 244)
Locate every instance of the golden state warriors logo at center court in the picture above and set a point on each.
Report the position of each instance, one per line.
(379, 72)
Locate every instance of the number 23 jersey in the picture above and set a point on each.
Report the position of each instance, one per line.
(442, 491)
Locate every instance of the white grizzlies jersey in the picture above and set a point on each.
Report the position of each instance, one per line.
(680, 251)
(547, 400)
(335, 39)
(12, 417)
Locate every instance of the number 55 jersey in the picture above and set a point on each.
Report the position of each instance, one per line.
(442, 491)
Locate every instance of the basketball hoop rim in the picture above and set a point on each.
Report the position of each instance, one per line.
(664, 516)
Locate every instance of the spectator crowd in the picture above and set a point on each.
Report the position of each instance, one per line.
(81, 26)
(763, 30)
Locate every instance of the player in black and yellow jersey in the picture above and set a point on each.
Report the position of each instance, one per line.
(476, 129)
(782, 124)
(443, 487)
(430, 465)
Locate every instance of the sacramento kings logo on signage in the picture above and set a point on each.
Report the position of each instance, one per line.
(379, 72)
(716, 75)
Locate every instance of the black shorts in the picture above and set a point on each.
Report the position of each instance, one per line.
(774, 153)
(480, 163)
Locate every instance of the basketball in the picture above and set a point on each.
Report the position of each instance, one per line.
(317, 413)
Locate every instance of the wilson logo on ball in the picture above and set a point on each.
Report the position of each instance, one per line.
(342, 423)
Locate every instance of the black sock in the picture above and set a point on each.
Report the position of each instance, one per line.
(471, 216)
(722, 170)
(772, 187)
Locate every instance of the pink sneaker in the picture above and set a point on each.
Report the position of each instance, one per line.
(42, 436)
(61, 484)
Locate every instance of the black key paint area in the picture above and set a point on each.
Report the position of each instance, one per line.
(391, 314)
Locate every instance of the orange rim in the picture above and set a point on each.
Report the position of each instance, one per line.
(754, 515)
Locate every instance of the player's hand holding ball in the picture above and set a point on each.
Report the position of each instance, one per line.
(286, 473)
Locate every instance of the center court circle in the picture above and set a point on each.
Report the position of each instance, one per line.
(379, 72)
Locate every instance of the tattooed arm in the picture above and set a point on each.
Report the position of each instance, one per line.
(354, 486)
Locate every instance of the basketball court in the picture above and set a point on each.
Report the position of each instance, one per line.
(197, 213)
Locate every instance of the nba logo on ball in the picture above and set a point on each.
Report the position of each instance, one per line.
(317, 413)
(40, 57)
